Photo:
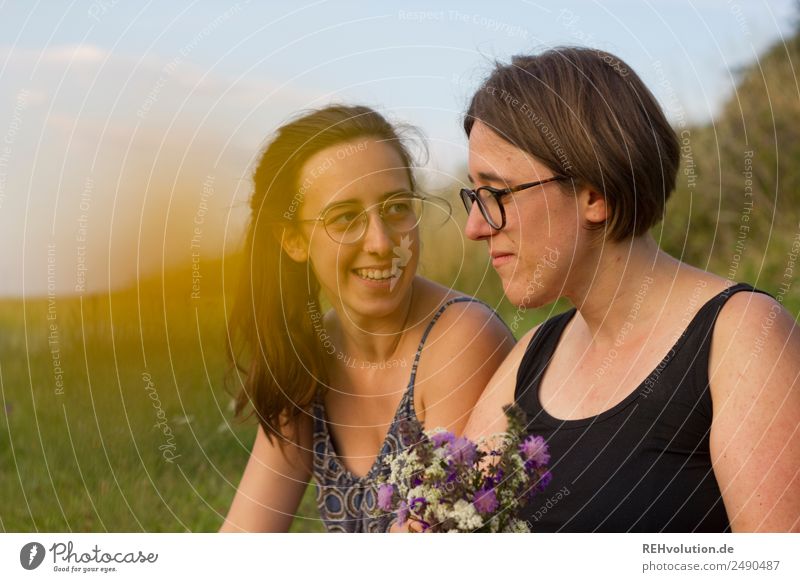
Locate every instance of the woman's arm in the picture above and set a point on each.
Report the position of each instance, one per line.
(487, 417)
(273, 483)
(755, 435)
(464, 350)
(460, 356)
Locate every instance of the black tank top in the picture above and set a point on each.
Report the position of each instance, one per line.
(643, 465)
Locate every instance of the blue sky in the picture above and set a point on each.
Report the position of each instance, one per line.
(118, 112)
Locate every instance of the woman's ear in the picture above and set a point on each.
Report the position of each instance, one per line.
(594, 206)
(293, 243)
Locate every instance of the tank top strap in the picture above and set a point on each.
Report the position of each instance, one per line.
(695, 343)
(428, 329)
(697, 335)
(538, 354)
(716, 303)
(546, 337)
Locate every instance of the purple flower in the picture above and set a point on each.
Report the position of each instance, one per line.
(385, 494)
(544, 481)
(462, 451)
(402, 513)
(485, 500)
(410, 432)
(418, 504)
(534, 449)
(496, 479)
(442, 438)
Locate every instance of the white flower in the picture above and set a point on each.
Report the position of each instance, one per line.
(418, 491)
(466, 516)
(435, 472)
(517, 526)
(496, 441)
(440, 512)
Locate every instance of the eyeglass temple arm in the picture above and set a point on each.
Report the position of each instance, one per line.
(532, 184)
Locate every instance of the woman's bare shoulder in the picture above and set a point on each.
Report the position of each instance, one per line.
(430, 296)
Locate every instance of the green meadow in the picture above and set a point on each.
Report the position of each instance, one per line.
(116, 417)
(116, 412)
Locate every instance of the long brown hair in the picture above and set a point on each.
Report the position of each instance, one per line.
(273, 342)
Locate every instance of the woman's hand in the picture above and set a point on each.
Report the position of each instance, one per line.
(409, 526)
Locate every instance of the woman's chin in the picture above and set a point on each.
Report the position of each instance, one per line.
(378, 299)
(366, 310)
(522, 296)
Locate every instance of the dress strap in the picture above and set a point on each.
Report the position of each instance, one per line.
(428, 329)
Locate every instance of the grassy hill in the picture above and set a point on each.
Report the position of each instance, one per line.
(736, 211)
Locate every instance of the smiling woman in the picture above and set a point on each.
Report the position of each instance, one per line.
(335, 212)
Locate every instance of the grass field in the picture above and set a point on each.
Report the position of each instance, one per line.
(115, 416)
(118, 420)
(115, 413)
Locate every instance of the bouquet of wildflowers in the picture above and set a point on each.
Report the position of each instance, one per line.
(451, 484)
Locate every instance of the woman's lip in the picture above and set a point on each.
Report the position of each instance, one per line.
(375, 268)
(501, 259)
(372, 283)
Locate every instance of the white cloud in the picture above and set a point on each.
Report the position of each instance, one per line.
(74, 53)
(147, 171)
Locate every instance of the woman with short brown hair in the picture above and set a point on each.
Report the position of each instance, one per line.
(668, 395)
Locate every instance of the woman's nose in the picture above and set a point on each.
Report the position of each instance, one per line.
(377, 239)
(476, 228)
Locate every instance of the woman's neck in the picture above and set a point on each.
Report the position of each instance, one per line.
(629, 287)
(371, 339)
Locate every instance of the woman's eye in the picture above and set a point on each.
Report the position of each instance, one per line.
(398, 206)
(342, 217)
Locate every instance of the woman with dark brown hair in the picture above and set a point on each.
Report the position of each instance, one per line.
(669, 396)
(335, 215)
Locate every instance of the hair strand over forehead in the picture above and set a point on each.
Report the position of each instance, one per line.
(586, 114)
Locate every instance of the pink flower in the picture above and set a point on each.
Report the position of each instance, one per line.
(485, 501)
(385, 494)
(402, 513)
(534, 449)
(462, 451)
(442, 438)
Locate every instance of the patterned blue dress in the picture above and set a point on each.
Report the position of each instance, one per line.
(347, 503)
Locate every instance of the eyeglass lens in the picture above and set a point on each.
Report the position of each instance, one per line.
(348, 223)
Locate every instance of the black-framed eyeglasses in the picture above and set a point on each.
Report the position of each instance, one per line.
(489, 202)
(347, 223)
